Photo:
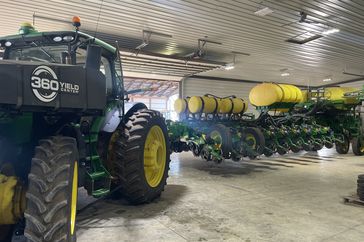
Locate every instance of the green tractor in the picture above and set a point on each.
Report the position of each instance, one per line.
(64, 125)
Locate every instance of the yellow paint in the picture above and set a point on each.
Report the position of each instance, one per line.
(251, 141)
(155, 150)
(239, 105)
(74, 198)
(233, 105)
(12, 200)
(267, 94)
(180, 105)
(287, 93)
(226, 105)
(299, 94)
(293, 92)
(26, 24)
(337, 94)
(281, 110)
(304, 96)
(203, 104)
(246, 106)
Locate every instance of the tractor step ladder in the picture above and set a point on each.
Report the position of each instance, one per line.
(98, 182)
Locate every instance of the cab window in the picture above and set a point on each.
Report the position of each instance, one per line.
(53, 54)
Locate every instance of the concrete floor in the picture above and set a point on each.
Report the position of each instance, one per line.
(284, 198)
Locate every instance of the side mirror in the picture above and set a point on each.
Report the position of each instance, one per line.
(93, 59)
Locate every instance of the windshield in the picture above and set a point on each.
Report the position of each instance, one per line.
(53, 47)
(56, 54)
(118, 75)
(50, 53)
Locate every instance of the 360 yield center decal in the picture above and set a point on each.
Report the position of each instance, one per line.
(46, 86)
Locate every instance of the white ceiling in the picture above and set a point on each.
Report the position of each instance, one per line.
(232, 23)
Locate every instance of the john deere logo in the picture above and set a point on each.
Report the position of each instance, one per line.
(46, 86)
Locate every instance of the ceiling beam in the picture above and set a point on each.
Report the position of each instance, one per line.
(342, 82)
(233, 80)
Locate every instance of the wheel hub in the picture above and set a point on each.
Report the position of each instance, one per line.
(154, 156)
(250, 139)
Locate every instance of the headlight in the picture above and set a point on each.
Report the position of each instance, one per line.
(57, 39)
(68, 38)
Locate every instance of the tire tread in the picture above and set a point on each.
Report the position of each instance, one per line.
(48, 192)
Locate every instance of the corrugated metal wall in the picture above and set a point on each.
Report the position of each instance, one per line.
(198, 87)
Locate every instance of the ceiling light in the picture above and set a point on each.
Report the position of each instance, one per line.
(285, 74)
(327, 80)
(263, 11)
(8, 43)
(330, 31)
(68, 38)
(57, 39)
(229, 66)
(304, 38)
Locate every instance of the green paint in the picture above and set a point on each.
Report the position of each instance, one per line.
(19, 128)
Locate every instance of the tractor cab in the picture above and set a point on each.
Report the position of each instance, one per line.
(59, 51)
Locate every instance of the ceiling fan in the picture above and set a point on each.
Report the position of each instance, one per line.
(304, 19)
(200, 52)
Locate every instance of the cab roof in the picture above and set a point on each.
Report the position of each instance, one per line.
(36, 34)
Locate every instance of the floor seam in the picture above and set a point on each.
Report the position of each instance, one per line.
(172, 230)
(344, 231)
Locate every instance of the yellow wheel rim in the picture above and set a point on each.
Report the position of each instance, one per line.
(216, 136)
(155, 151)
(250, 139)
(74, 198)
(109, 162)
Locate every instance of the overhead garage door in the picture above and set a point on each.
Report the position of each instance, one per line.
(198, 87)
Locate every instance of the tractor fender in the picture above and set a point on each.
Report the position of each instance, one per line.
(112, 119)
(131, 108)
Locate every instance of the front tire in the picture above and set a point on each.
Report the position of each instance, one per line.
(254, 139)
(357, 146)
(222, 134)
(360, 187)
(343, 148)
(295, 149)
(141, 155)
(52, 193)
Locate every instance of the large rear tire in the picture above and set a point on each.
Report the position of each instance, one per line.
(141, 156)
(52, 193)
